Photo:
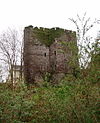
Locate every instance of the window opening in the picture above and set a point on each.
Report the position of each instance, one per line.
(55, 53)
(45, 54)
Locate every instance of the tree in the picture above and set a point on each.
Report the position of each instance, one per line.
(94, 65)
(0, 74)
(21, 58)
(83, 26)
(10, 50)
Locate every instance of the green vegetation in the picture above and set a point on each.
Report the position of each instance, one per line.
(47, 36)
(72, 59)
(94, 70)
(73, 101)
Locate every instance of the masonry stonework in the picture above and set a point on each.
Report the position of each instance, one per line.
(40, 58)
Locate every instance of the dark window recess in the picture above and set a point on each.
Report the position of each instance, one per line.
(55, 53)
(45, 54)
(55, 67)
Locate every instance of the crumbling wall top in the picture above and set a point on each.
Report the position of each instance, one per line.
(48, 35)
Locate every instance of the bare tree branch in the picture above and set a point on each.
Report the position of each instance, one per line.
(10, 49)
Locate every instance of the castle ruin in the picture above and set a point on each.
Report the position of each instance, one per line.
(44, 52)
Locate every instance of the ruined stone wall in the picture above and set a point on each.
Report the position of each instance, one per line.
(39, 58)
(36, 56)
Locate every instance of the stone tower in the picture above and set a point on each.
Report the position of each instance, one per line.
(43, 52)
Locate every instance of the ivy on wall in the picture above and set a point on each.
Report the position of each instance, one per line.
(47, 36)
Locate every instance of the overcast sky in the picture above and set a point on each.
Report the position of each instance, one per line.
(44, 13)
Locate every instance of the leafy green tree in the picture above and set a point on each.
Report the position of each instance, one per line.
(94, 65)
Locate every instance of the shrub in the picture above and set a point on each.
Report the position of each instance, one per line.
(66, 103)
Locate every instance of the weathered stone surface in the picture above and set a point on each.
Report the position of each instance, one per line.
(39, 58)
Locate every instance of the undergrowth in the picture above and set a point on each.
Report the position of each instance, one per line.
(70, 102)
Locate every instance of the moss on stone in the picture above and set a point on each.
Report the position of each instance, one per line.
(47, 36)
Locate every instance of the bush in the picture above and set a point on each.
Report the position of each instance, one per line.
(66, 103)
